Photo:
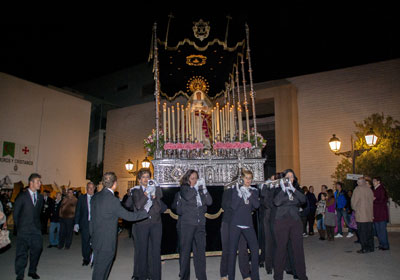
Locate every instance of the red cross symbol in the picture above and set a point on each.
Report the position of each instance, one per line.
(25, 150)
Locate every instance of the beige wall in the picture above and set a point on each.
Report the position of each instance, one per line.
(330, 102)
(54, 124)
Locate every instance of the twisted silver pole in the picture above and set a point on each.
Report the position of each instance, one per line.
(157, 89)
(252, 92)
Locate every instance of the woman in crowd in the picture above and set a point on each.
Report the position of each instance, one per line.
(330, 216)
(320, 214)
(244, 200)
(381, 213)
(288, 226)
(194, 201)
(55, 221)
(304, 211)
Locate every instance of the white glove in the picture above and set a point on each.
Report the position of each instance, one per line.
(291, 187)
(76, 227)
(151, 190)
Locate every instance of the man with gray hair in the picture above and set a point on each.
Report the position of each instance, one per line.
(105, 211)
(81, 221)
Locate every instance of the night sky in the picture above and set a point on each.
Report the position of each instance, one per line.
(286, 41)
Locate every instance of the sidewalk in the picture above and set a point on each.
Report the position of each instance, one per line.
(324, 260)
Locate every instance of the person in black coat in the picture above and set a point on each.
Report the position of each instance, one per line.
(81, 221)
(225, 224)
(27, 209)
(54, 230)
(312, 201)
(148, 232)
(245, 199)
(105, 210)
(194, 198)
(288, 226)
(45, 214)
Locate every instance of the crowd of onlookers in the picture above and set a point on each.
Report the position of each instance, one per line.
(363, 210)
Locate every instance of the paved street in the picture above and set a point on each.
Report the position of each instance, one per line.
(325, 260)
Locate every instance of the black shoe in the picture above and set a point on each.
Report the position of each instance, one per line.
(66, 248)
(261, 265)
(357, 241)
(382, 248)
(295, 277)
(34, 275)
(364, 251)
(50, 246)
(269, 271)
(85, 263)
(289, 272)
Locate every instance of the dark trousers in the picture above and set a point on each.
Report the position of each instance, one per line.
(251, 238)
(66, 231)
(193, 234)
(311, 220)
(270, 243)
(286, 229)
(86, 248)
(366, 233)
(304, 223)
(102, 264)
(261, 213)
(27, 242)
(244, 264)
(381, 233)
(148, 235)
(44, 219)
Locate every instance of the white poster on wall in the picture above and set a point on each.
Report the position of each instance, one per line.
(17, 160)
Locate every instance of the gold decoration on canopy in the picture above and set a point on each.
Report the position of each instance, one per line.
(201, 29)
(196, 83)
(196, 60)
(202, 49)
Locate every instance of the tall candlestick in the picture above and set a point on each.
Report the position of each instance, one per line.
(173, 124)
(217, 119)
(165, 121)
(240, 123)
(221, 125)
(178, 114)
(193, 127)
(183, 123)
(169, 124)
(247, 124)
(200, 127)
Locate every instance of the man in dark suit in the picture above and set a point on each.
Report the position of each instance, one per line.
(27, 209)
(45, 215)
(105, 211)
(81, 221)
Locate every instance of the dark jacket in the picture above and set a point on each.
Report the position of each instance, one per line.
(55, 212)
(381, 211)
(139, 200)
(191, 214)
(47, 205)
(312, 201)
(241, 212)
(82, 212)
(287, 208)
(106, 209)
(267, 200)
(26, 215)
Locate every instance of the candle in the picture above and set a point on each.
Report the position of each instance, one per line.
(187, 124)
(231, 123)
(178, 114)
(193, 126)
(165, 121)
(247, 124)
(217, 119)
(240, 123)
(169, 124)
(183, 123)
(173, 124)
(200, 127)
(212, 124)
(221, 124)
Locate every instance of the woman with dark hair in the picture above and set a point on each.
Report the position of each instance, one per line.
(194, 201)
(288, 226)
(244, 201)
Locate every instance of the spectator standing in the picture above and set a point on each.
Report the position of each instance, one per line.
(330, 217)
(381, 213)
(45, 214)
(320, 215)
(304, 210)
(54, 231)
(362, 202)
(312, 201)
(324, 189)
(67, 215)
(341, 210)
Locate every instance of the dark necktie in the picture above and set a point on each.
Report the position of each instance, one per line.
(34, 199)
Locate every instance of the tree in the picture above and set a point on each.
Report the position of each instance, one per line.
(94, 172)
(381, 160)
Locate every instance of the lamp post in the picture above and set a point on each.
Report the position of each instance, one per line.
(335, 144)
(146, 163)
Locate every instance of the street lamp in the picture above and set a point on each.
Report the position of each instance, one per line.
(334, 145)
(129, 165)
(146, 163)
